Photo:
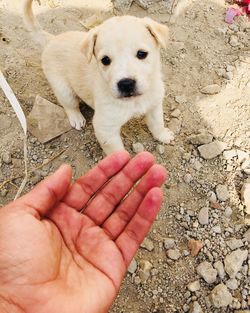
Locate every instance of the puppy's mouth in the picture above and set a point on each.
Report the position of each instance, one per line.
(129, 95)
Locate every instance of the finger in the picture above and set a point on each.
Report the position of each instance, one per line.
(48, 192)
(86, 186)
(108, 198)
(132, 236)
(116, 223)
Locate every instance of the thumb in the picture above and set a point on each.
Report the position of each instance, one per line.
(48, 192)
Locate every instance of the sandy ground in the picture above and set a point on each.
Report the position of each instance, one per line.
(202, 50)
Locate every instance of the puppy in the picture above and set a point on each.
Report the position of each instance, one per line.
(114, 68)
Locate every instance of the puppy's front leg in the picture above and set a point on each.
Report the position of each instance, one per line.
(154, 120)
(107, 135)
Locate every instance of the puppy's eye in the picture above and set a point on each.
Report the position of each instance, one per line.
(141, 54)
(106, 60)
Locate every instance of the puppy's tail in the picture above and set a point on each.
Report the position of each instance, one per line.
(32, 25)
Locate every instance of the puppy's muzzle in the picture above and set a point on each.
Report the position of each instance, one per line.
(127, 87)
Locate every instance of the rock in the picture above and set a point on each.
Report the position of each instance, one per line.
(232, 284)
(211, 196)
(220, 269)
(212, 150)
(203, 217)
(247, 235)
(122, 5)
(211, 89)
(245, 196)
(207, 272)
(222, 192)
(242, 155)
(175, 125)
(201, 138)
(6, 157)
(132, 267)
(144, 3)
(194, 246)
(176, 113)
(160, 149)
(229, 154)
(233, 41)
(228, 212)
(234, 243)
(4, 192)
(169, 243)
(233, 262)
(144, 271)
(216, 229)
(147, 244)
(195, 308)
(138, 147)
(196, 165)
(220, 296)
(188, 178)
(194, 286)
(180, 99)
(173, 254)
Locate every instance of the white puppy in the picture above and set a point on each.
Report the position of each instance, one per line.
(114, 68)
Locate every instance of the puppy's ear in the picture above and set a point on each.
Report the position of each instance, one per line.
(88, 45)
(159, 31)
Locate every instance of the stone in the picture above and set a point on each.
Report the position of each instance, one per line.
(196, 165)
(122, 5)
(222, 192)
(169, 243)
(242, 155)
(47, 120)
(211, 89)
(234, 243)
(147, 244)
(216, 229)
(203, 216)
(220, 269)
(144, 3)
(212, 150)
(207, 272)
(245, 196)
(188, 178)
(233, 262)
(180, 99)
(160, 149)
(175, 125)
(211, 196)
(132, 267)
(6, 157)
(232, 284)
(173, 254)
(195, 307)
(247, 235)
(233, 41)
(220, 296)
(201, 138)
(228, 212)
(194, 286)
(144, 270)
(176, 113)
(194, 246)
(138, 147)
(229, 154)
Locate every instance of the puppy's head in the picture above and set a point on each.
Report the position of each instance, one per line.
(127, 53)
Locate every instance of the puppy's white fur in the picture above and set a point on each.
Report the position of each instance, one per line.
(72, 64)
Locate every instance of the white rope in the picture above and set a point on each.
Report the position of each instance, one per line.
(22, 119)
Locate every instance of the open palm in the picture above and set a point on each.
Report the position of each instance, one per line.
(65, 247)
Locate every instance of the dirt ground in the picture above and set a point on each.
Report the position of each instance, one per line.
(203, 50)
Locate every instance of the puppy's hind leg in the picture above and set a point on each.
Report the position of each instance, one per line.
(68, 99)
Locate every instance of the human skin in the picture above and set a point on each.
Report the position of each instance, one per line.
(65, 246)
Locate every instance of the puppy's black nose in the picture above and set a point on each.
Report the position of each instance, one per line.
(127, 86)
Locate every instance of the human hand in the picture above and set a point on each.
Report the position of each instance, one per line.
(65, 247)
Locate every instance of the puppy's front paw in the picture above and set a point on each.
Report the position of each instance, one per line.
(166, 136)
(76, 119)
